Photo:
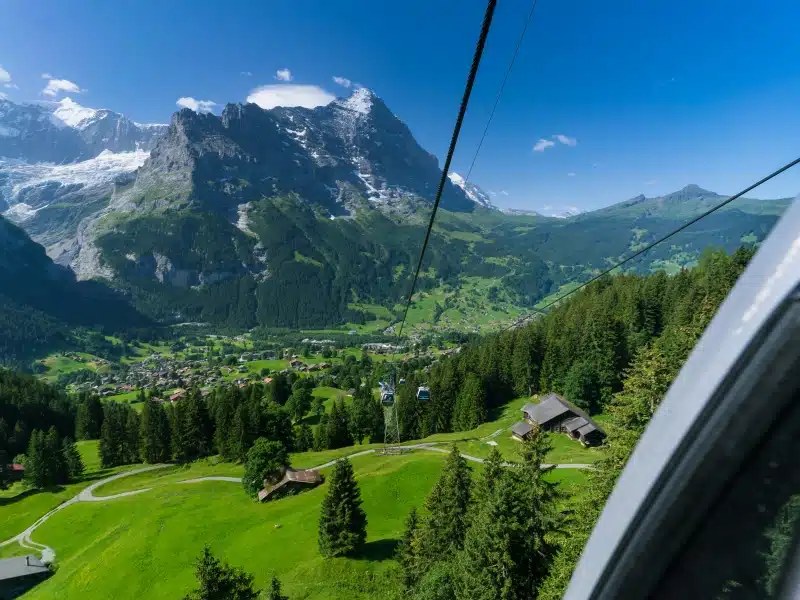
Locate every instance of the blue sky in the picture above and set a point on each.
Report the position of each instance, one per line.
(655, 94)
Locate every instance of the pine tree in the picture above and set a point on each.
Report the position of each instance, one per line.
(35, 468)
(72, 458)
(110, 440)
(130, 437)
(89, 419)
(448, 503)
(220, 581)
(5, 471)
(492, 471)
(342, 522)
(470, 408)
(338, 428)
(154, 446)
(437, 583)
(361, 413)
(645, 386)
(376, 423)
(407, 550)
(486, 567)
(194, 428)
(536, 514)
(317, 407)
(304, 438)
(275, 590)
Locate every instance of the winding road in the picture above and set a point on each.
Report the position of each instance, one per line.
(87, 494)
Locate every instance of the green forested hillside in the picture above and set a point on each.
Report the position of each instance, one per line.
(293, 266)
(41, 303)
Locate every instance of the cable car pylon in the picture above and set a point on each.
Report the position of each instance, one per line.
(391, 424)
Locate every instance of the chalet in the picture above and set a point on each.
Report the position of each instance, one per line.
(20, 574)
(17, 471)
(296, 363)
(177, 396)
(268, 380)
(292, 480)
(556, 414)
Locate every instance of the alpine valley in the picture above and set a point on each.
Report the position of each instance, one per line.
(291, 218)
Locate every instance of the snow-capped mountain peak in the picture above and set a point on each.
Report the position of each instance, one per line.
(360, 101)
(71, 114)
(473, 192)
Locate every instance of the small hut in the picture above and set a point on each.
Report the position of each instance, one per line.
(293, 479)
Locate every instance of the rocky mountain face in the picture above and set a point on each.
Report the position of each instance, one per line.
(66, 132)
(473, 191)
(60, 163)
(290, 217)
(333, 157)
(40, 302)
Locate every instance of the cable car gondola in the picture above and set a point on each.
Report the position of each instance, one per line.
(423, 393)
(402, 380)
(387, 397)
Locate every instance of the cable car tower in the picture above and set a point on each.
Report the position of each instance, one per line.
(391, 425)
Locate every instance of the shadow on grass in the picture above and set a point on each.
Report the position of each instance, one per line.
(95, 475)
(378, 550)
(30, 492)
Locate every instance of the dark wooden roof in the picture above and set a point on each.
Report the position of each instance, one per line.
(521, 429)
(553, 406)
(307, 476)
(574, 423)
(21, 566)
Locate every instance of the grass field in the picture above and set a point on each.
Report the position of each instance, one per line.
(20, 507)
(149, 541)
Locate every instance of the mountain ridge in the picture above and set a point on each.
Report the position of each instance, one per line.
(295, 217)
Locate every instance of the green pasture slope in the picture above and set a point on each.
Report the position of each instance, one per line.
(143, 546)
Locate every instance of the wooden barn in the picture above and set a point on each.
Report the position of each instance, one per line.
(292, 479)
(556, 414)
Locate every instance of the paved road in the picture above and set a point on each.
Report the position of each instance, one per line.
(212, 478)
(87, 494)
(48, 554)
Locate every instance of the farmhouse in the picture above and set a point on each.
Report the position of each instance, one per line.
(17, 471)
(292, 479)
(557, 414)
(19, 574)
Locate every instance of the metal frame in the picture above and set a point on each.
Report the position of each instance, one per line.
(703, 430)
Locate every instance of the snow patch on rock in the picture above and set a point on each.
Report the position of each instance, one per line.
(72, 114)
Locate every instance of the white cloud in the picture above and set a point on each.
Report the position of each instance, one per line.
(566, 140)
(200, 106)
(307, 96)
(5, 76)
(245, 74)
(651, 182)
(46, 76)
(571, 174)
(56, 86)
(3, 96)
(543, 145)
(342, 81)
(503, 193)
(283, 75)
(11, 86)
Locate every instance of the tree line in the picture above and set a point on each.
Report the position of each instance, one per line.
(581, 349)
